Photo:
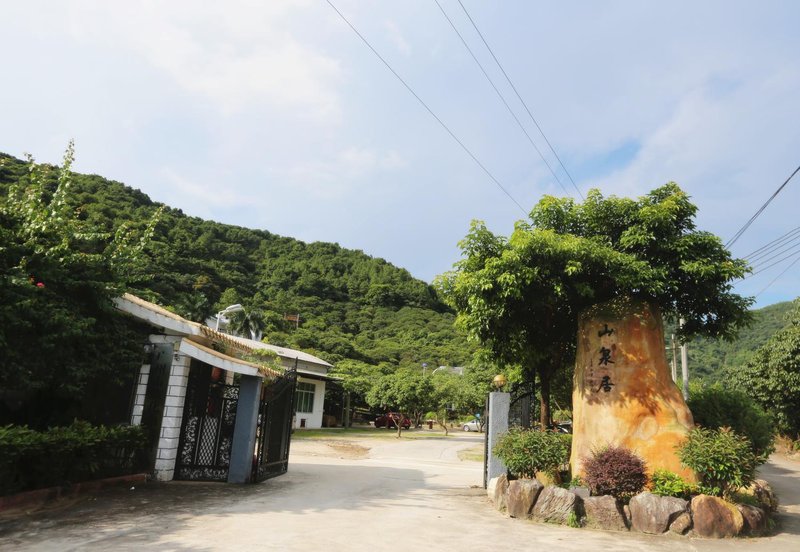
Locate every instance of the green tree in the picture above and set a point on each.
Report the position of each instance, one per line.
(772, 376)
(405, 391)
(521, 296)
(59, 270)
(248, 323)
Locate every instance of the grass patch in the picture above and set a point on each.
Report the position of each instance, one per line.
(471, 454)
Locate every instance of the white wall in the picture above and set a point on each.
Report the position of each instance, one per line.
(313, 419)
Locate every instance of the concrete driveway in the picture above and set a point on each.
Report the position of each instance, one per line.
(367, 494)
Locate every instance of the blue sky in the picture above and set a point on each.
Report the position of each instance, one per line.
(274, 115)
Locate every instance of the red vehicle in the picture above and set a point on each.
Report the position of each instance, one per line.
(391, 419)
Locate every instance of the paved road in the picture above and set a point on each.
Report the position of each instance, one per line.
(402, 495)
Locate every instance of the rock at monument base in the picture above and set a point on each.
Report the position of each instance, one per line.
(653, 514)
(761, 490)
(521, 497)
(582, 492)
(555, 505)
(623, 393)
(604, 512)
(681, 524)
(715, 518)
(755, 520)
(500, 490)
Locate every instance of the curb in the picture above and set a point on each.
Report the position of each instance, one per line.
(40, 497)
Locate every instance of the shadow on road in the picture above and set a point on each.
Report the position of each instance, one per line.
(155, 513)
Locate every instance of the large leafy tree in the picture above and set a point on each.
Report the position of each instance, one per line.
(405, 391)
(521, 296)
(59, 333)
(772, 375)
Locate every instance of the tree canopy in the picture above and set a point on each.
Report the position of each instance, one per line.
(59, 334)
(772, 375)
(521, 296)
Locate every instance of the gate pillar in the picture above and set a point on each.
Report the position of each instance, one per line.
(173, 416)
(499, 404)
(244, 432)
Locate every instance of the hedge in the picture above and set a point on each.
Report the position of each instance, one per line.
(32, 459)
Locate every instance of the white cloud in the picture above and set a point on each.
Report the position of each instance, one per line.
(239, 56)
(345, 173)
(396, 37)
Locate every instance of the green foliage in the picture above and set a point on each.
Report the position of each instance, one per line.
(405, 391)
(710, 359)
(667, 483)
(30, 459)
(615, 471)
(520, 296)
(715, 407)
(723, 460)
(573, 520)
(772, 376)
(59, 270)
(352, 307)
(526, 451)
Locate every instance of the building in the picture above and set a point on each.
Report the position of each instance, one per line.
(212, 407)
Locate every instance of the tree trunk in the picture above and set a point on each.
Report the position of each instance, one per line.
(544, 400)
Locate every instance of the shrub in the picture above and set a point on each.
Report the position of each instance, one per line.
(723, 460)
(714, 407)
(615, 471)
(667, 483)
(32, 459)
(527, 451)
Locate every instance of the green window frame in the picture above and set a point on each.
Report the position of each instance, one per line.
(304, 397)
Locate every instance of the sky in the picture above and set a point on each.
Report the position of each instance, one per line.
(275, 115)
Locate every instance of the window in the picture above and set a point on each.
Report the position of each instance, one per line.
(304, 397)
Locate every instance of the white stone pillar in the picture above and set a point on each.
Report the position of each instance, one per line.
(499, 405)
(141, 393)
(173, 417)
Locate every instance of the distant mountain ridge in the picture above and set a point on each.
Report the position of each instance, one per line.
(352, 306)
(708, 359)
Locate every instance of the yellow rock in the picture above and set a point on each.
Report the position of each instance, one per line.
(623, 393)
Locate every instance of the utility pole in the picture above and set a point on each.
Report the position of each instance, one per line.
(685, 368)
(674, 360)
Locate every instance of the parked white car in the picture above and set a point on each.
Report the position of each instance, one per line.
(472, 425)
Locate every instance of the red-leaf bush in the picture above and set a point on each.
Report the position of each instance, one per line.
(615, 471)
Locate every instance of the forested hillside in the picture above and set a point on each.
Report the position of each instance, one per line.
(351, 305)
(708, 358)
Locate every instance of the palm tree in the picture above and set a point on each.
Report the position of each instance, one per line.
(247, 323)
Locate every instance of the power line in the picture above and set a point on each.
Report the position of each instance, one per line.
(764, 249)
(775, 279)
(754, 217)
(428, 109)
(514, 88)
(765, 261)
(777, 251)
(502, 98)
(779, 261)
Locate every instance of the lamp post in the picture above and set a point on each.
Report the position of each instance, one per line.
(228, 310)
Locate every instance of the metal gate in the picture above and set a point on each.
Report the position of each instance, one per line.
(209, 417)
(520, 411)
(274, 428)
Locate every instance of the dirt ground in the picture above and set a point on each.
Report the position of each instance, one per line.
(360, 494)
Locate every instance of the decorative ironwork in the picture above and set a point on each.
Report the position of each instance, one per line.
(209, 417)
(274, 428)
(521, 411)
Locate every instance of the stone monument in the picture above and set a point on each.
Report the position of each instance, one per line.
(623, 394)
